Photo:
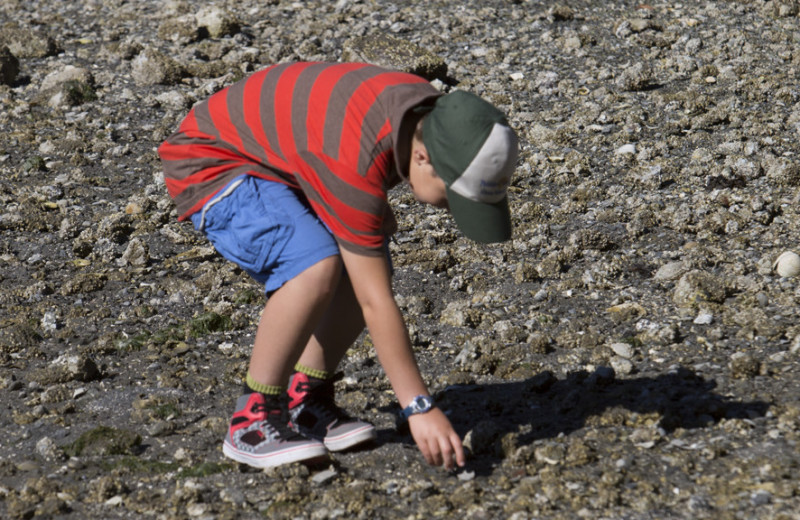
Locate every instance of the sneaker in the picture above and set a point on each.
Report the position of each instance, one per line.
(315, 414)
(260, 434)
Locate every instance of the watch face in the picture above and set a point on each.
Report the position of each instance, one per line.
(422, 403)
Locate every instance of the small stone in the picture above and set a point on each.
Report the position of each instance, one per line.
(196, 509)
(744, 366)
(69, 73)
(136, 254)
(671, 271)
(27, 466)
(151, 67)
(49, 323)
(704, 318)
(626, 149)
(787, 264)
(621, 365)
(623, 350)
(218, 22)
(47, 449)
(466, 476)
(635, 77)
(114, 501)
(325, 476)
(761, 498)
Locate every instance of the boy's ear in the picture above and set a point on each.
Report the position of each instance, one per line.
(420, 154)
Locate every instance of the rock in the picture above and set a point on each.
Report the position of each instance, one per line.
(784, 172)
(47, 449)
(704, 318)
(182, 30)
(217, 21)
(457, 314)
(623, 350)
(26, 43)
(68, 367)
(104, 441)
(70, 86)
(621, 365)
(9, 66)
(394, 53)
(787, 264)
(324, 476)
(66, 74)
(697, 287)
(136, 254)
(550, 453)
(671, 271)
(744, 366)
(635, 77)
(481, 438)
(151, 67)
(626, 149)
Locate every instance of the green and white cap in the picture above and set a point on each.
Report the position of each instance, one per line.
(473, 149)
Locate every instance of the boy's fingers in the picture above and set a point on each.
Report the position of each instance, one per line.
(447, 453)
(459, 449)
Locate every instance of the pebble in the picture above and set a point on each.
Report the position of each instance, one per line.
(787, 264)
(324, 476)
(704, 318)
(466, 475)
(621, 365)
(626, 149)
(623, 350)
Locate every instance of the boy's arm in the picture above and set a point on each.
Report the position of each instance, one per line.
(371, 280)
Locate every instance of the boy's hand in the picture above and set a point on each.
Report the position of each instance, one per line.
(436, 439)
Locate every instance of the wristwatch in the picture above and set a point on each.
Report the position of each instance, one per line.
(420, 404)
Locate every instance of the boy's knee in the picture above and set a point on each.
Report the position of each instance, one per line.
(323, 277)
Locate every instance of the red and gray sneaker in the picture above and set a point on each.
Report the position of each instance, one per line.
(260, 434)
(315, 414)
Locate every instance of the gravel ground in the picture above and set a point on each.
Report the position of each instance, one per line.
(632, 353)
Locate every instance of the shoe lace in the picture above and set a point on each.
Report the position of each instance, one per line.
(277, 410)
(320, 394)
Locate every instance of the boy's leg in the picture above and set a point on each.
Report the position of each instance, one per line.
(267, 229)
(311, 389)
(290, 317)
(339, 327)
(259, 434)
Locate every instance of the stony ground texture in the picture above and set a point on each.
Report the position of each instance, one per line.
(632, 353)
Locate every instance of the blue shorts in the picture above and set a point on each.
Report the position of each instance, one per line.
(267, 229)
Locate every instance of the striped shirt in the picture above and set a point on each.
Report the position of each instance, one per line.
(330, 130)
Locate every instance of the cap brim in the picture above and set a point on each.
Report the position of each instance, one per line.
(480, 221)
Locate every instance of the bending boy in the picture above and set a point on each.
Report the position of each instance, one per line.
(287, 173)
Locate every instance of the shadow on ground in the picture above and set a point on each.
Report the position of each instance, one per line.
(543, 406)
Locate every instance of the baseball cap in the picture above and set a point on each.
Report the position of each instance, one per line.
(474, 151)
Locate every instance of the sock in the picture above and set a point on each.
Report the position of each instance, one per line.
(251, 385)
(312, 372)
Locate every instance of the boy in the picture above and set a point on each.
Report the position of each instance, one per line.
(287, 172)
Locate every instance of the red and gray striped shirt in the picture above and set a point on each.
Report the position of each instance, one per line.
(331, 130)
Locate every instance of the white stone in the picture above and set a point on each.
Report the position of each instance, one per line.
(623, 350)
(704, 318)
(626, 149)
(787, 264)
(621, 366)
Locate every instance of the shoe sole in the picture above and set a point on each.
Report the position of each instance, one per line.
(276, 458)
(351, 438)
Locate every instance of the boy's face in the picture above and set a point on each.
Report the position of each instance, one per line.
(425, 184)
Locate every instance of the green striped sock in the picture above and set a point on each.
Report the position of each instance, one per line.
(255, 386)
(313, 372)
